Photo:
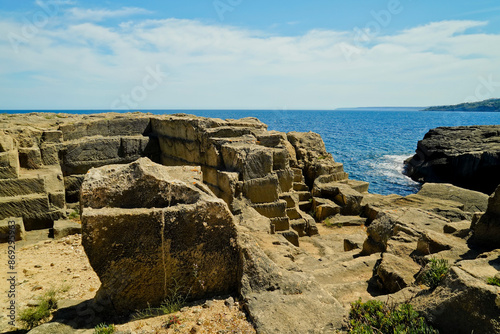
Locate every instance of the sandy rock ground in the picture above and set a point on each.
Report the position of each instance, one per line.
(43, 264)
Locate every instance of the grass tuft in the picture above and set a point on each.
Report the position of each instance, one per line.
(436, 272)
(104, 329)
(34, 316)
(493, 281)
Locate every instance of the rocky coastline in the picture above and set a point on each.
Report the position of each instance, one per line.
(213, 207)
(466, 156)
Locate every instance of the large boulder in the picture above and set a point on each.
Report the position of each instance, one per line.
(487, 227)
(461, 304)
(152, 231)
(466, 156)
(410, 222)
(473, 201)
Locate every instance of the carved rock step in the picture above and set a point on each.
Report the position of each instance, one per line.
(290, 198)
(299, 226)
(359, 186)
(304, 195)
(292, 213)
(281, 223)
(300, 186)
(271, 210)
(292, 237)
(305, 205)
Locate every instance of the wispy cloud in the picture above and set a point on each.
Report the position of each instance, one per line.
(97, 15)
(87, 64)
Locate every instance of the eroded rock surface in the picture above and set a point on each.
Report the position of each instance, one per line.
(151, 231)
(466, 156)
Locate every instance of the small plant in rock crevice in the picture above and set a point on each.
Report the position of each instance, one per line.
(436, 272)
(104, 329)
(36, 315)
(493, 281)
(172, 321)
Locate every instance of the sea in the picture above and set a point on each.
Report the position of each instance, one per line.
(372, 143)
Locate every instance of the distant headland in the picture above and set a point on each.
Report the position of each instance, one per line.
(486, 105)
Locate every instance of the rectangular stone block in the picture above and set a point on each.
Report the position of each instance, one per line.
(64, 227)
(23, 206)
(57, 199)
(181, 128)
(252, 161)
(281, 223)
(24, 186)
(139, 146)
(6, 142)
(9, 165)
(285, 178)
(228, 185)
(52, 136)
(271, 210)
(50, 153)
(129, 126)
(30, 158)
(280, 158)
(91, 149)
(12, 225)
(261, 190)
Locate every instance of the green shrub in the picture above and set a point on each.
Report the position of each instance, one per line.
(34, 316)
(377, 317)
(104, 329)
(493, 281)
(438, 268)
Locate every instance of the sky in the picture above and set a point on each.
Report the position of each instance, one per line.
(247, 54)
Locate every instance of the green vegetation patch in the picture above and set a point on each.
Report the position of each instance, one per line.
(436, 272)
(377, 317)
(493, 281)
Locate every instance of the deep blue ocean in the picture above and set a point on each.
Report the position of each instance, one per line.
(372, 144)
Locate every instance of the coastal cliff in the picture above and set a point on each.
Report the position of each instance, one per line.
(209, 207)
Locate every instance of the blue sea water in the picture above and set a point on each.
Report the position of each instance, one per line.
(372, 144)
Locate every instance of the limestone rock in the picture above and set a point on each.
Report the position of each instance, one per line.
(149, 229)
(276, 299)
(312, 156)
(6, 226)
(453, 307)
(466, 156)
(63, 228)
(487, 227)
(473, 201)
(409, 221)
(347, 198)
(395, 273)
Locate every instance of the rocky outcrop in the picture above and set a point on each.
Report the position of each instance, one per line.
(486, 226)
(151, 231)
(466, 156)
(238, 158)
(461, 304)
(473, 201)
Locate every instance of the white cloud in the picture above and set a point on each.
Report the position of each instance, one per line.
(90, 65)
(97, 15)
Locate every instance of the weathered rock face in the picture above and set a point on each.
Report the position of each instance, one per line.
(151, 230)
(454, 306)
(473, 201)
(238, 158)
(466, 156)
(486, 227)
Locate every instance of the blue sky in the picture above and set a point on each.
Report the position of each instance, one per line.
(242, 54)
